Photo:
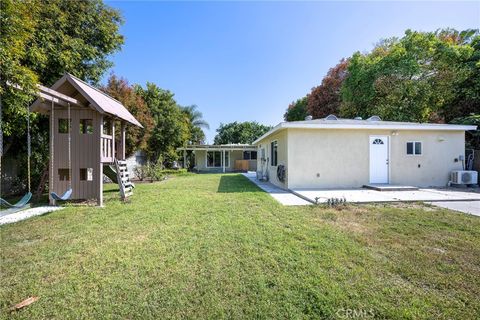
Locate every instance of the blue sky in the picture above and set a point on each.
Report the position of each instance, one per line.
(242, 61)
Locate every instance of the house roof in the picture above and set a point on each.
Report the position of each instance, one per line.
(363, 125)
(98, 100)
(218, 147)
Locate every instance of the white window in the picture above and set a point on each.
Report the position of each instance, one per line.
(274, 153)
(414, 148)
(214, 159)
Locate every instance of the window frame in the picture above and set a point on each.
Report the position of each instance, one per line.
(249, 152)
(63, 172)
(227, 158)
(82, 124)
(86, 174)
(414, 154)
(69, 125)
(274, 156)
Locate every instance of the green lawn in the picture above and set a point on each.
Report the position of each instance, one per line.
(215, 246)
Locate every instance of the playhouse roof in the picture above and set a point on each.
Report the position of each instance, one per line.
(98, 100)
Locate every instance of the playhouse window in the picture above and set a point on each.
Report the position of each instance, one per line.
(274, 153)
(86, 126)
(86, 174)
(107, 126)
(63, 125)
(414, 148)
(63, 174)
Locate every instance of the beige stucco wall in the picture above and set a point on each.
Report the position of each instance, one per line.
(201, 163)
(340, 158)
(271, 171)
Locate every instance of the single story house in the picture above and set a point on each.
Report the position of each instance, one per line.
(350, 153)
(222, 158)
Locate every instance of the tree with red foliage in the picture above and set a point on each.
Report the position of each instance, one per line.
(325, 99)
(136, 138)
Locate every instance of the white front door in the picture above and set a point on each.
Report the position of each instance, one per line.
(379, 159)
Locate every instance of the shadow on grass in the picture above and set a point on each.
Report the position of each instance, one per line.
(236, 183)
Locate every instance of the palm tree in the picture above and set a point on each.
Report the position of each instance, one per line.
(196, 122)
(195, 117)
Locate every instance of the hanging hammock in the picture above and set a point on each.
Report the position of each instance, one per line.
(67, 194)
(26, 198)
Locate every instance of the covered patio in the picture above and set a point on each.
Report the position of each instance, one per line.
(221, 158)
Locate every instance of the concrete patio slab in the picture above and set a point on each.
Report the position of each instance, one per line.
(470, 207)
(366, 196)
(284, 197)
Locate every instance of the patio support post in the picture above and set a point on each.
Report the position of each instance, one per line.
(223, 160)
(184, 158)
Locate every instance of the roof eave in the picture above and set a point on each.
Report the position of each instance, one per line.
(445, 127)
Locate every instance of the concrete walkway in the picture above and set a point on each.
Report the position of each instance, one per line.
(28, 213)
(366, 196)
(470, 207)
(284, 197)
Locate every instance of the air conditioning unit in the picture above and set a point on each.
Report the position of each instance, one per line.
(464, 177)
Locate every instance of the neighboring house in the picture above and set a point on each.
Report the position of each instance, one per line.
(222, 158)
(345, 153)
(138, 159)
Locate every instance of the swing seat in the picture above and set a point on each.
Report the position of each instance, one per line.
(64, 197)
(20, 204)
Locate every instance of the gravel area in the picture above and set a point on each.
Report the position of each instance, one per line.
(28, 213)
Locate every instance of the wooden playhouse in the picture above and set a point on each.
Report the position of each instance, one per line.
(84, 138)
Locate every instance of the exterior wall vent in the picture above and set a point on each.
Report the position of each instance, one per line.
(309, 117)
(374, 118)
(331, 117)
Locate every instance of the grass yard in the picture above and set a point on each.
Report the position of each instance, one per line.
(215, 246)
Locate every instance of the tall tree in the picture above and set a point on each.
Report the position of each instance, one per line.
(325, 99)
(120, 89)
(240, 132)
(297, 110)
(170, 129)
(409, 79)
(196, 124)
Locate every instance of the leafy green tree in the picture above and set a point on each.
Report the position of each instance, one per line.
(325, 99)
(409, 79)
(297, 110)
(136, 138)
(240, 132)
(171, 126)
(196, 124)
(467, 92)
(472, 138)
(40, 40)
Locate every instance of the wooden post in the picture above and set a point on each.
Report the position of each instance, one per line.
(122, 147)
(99, 165)
(52, 162)
(113, 140)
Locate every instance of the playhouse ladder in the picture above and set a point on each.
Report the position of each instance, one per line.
(123, 179)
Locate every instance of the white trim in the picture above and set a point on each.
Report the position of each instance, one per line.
(384, 125)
